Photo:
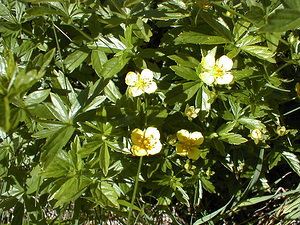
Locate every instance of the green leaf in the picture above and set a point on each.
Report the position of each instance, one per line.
(95, 103)
(225, 128)
(60, 166)
(112, 92)
(37, 97)
(108, 44)
(182, 92)
(292, 160)
(98, 59)
(114, 65)
(75, 59)
(207, 185)
(18, 214)
(191, 37)
(217, 24)
(59, 110)
(182, 196)
(142, 30)
(185, 72)
(256, 175)
(105, 195)
(91, 146)
(282, 20)
(203, 101)
(232, 138)
(129, 3)
(42, 11)
(252, 124)
(4, 113)
(185, 60)
(71, 189)
(55, 142)
(260, 52)
(213, 214)
(34, 182)
(104, 159)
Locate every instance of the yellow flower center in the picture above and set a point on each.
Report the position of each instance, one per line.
(141, 84)
(146, 142)
(217, 71)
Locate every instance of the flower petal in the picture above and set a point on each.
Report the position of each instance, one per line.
(208, 62)
(137, 136)
(138, 151)
(225, 79)
(135, 91)
(207, 78)
(183, 135)
(147, 75)
(152, 133)
(194, 153)
(225, 63)
(131, 78)
(150, 87)
(155, 149)
(196, 138)
(181, 149)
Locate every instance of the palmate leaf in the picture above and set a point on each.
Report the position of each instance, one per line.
(60, 166)
(105, 195)
(55, 142)
(71, 189)
(182, 92)
(75, 59)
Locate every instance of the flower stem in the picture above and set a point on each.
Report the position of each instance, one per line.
(129, 220)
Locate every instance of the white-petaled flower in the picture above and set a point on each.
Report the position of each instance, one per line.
(145, 142)
(140, 83)
(216, 71)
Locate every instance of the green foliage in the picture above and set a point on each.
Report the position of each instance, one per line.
(66, 116)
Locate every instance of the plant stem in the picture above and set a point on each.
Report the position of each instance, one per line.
(129, 220)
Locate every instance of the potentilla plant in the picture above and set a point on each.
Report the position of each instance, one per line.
(149, 112)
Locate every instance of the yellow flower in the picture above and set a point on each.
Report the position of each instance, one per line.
(188, 144)
(191, 112)
(216, 71)
(256, 135)
(145, 142)
(140, 83)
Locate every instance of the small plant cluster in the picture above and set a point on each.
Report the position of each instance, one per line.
(140, 112)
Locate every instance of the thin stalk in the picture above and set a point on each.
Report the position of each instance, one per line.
(58, 47)
(129, 220)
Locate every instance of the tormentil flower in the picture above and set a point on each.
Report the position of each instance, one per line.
(145, 142)
(188, 144)
(191, 112)
(216, 71)
(140, 83)
(256, 135)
